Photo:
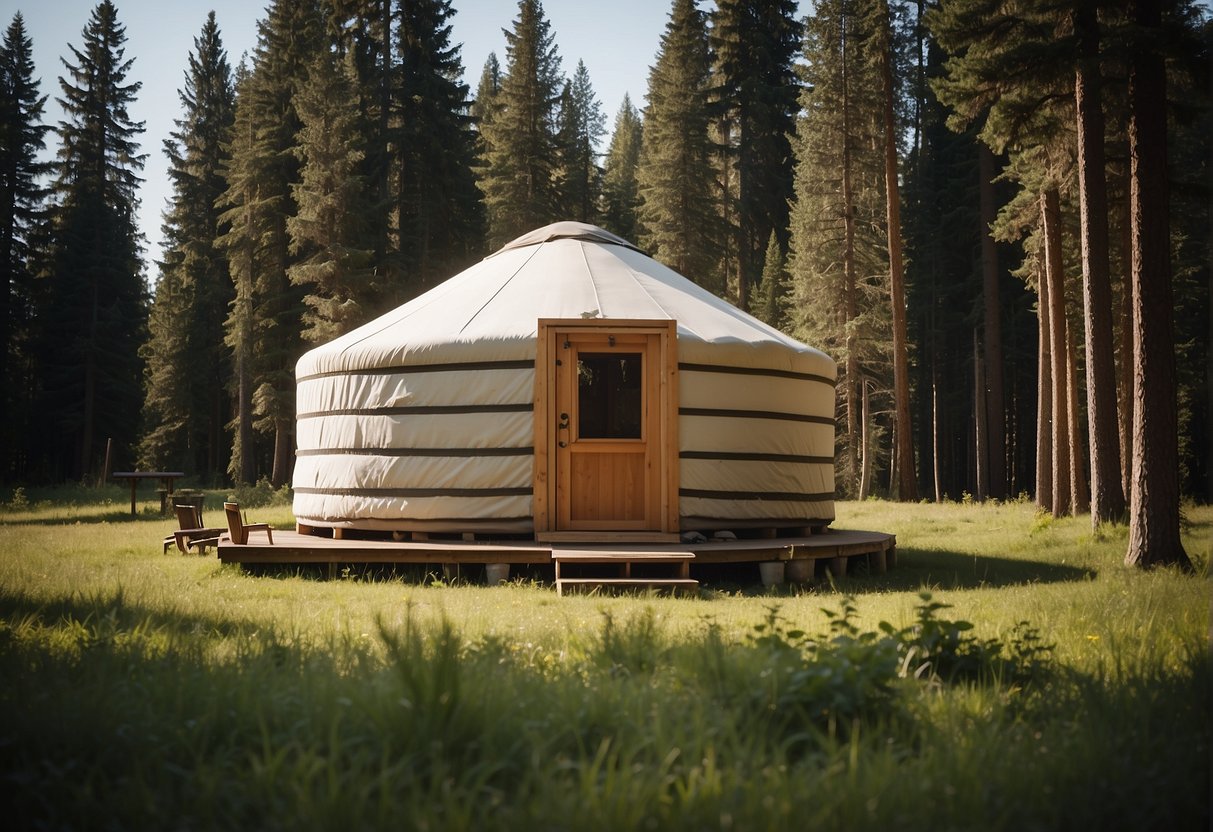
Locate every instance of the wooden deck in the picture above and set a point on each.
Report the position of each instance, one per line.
(289, 547)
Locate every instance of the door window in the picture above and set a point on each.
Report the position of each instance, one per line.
(609, 402)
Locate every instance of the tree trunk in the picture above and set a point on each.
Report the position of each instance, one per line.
(8, 281)
(1125, 378)
(1208, 497)
(383, 148)
(284, 452)
(243, 466)
(243, 469)
(980, 433)
(1044, 395)
(865, 477)
(218, 397)
(1050, 213)
(849, 270)
(995, 408)
(1107, 496)
(903, 436)
(1154, 511)
(1079, 499)
(90, 390)
(935, 434)
(1208, 365)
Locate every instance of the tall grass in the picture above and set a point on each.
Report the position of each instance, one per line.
(150, 691)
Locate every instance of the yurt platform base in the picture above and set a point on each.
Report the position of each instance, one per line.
(835, 546)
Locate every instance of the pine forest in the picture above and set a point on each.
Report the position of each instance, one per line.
(995, 216)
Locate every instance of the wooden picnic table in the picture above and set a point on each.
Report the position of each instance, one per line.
(166, 479)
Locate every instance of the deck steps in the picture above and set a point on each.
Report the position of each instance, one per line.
(572, 563)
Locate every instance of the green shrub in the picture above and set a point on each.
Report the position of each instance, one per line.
(260, 495)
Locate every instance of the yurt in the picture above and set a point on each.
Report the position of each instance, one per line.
(571, 388)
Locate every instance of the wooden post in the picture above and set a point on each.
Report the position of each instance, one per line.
(877, 562)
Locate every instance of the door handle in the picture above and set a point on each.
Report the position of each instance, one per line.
(564, 422)
(563, 444)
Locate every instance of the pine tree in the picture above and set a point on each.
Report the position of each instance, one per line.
(94, 312)
(941, 226)
(263, 328)
(518, 174)
(837, 267)
(677, 214)
(903, 434)
(1020, 61)
(440, 218)
(620, 190)
(333, 203)
(482, 109)
(362, 32)
(1010, 73)
(1154, 506)
(769, 301)
(581, 129)
(1054, 296)
(240, 244)
(22, 196)
(992, 396)
(755, 44)
(1107, 497)
(184, 409)
(484, 105)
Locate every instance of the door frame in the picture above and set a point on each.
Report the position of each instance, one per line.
(547, 353)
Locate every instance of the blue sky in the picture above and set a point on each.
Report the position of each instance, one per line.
(617, 42)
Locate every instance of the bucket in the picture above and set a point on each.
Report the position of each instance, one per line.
(496, 573)
(771, 572)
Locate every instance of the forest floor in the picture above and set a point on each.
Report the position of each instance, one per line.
(1009, 672)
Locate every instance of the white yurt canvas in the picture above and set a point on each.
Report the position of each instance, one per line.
(565, 383)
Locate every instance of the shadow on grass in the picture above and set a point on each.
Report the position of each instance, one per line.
(410, 574)
(85, 518)
(118, 614)
(916, 568)
(961, 570)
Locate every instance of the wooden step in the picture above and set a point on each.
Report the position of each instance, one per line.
(675, 585)
(622, 560)
(618, 556)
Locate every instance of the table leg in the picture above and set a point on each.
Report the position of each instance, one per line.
(134, 483)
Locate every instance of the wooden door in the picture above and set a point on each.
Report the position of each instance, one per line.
(609, 408)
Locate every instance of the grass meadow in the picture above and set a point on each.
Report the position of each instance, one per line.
(1010, 673)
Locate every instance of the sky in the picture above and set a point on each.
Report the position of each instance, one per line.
(618, 48)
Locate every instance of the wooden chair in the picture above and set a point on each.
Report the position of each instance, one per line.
(190, 531)
(239, 530)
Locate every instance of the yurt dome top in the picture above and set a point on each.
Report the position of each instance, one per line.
(567, 230)
(567, 270)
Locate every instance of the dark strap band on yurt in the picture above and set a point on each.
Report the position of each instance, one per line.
(754, 414)
(419, 492)
(403, 369)
(754, 371)
(745, 456)
(768, 496)
(418, 452)
(427, 410)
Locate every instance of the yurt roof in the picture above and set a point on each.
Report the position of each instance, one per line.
(567, 270)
